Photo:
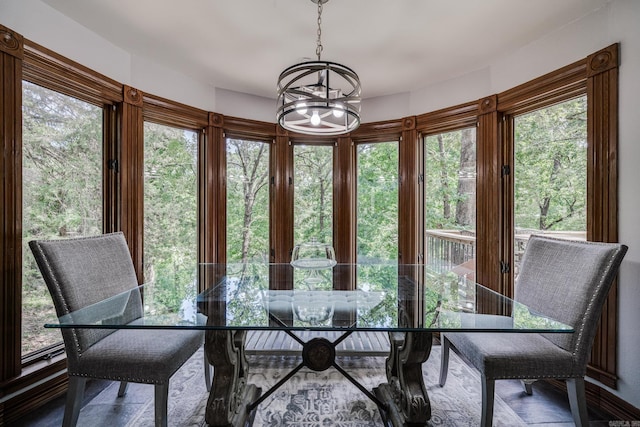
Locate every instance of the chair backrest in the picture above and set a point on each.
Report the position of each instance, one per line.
(569, 281)
(83, 271)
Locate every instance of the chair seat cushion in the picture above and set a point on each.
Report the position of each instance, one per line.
(515, 355)
(148, 356)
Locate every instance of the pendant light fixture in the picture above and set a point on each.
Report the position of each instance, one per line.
(319, 97)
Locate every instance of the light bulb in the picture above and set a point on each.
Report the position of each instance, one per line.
(338, 111)
(301, 107)
(315, 118)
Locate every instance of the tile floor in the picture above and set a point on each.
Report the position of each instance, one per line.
(547, 407)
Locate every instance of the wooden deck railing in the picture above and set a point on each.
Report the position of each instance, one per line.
(448, 249)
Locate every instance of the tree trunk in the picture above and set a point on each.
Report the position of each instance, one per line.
(322, 201)
(249, 201)
(546, 201)
(466, 205)
(544, 211)
(253, 182)
(446, 204)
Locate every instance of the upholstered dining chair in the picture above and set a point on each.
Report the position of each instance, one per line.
(83, 271)
(565, 280)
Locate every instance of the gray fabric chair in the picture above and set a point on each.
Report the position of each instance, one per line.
(80, 272)
(565, 280)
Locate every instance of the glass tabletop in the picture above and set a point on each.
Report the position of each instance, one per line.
(367, 297)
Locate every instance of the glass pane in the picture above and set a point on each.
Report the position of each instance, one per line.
(450, 201)
(313, 193)
(313, 207)
(550, 173)
(377, 202)
(62, 192)
(247, 201)
(170, 208)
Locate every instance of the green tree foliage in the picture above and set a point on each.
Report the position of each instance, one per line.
(62, 174)
(313, 194)
(380, 278)
(550, 168)
(450, 180)
(247, 201)
(377, 202)
(170, 210)
(62, 191)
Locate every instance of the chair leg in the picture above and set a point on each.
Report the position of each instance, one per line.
(207, 372)
(488, 391)
(123, 388)
(161, 398)
(578, 401)
(528, 386)
(444, 360)
(75, 393)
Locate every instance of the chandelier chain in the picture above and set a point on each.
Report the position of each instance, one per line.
(319, 41)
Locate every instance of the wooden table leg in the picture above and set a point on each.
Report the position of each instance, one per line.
(404, 392)
(230, 393)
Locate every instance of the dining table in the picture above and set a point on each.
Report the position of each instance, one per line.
(412, 304)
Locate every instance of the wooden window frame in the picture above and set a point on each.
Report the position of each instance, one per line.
(54, 72)
(164, 112)
(372, 138)
(273, 213)
(450, 119)
(214, 190)
(595, 77)
(40, 376)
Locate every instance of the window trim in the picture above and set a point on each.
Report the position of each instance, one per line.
(595, 77)
(31, 62)
(47, 69)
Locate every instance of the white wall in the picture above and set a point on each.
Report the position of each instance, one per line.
(388, 107)
(617, 22)
(53, 30)
(458, 90)
(624, 26)
(151, 77)
(247, 106)
(46, 26)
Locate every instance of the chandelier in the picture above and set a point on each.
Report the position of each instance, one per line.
(319, 97)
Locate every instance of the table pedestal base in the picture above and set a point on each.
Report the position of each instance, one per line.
(230, 398)
(404, 393)
(403, 399)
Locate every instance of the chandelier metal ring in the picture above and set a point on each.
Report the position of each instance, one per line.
(319, 97)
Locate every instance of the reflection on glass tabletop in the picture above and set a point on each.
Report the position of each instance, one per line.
(383, 297)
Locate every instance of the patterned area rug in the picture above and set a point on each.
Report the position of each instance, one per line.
(309, 399)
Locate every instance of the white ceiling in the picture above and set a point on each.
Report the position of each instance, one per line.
(394, 45)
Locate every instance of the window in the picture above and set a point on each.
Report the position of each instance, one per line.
(450, 201)
(61, 190)
(550, 173)
(377, 214)
(170, 205)
(313, 205)
(313, 193)
(247, 201)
